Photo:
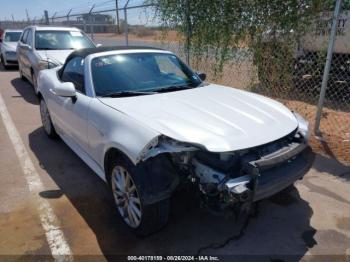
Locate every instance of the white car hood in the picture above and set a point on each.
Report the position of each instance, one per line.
(10, 46)
(219, 118)
(57, 56)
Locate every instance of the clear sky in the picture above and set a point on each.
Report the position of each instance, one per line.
(36, 8)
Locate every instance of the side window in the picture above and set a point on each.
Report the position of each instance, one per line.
(24, 36)
(74, 72)
(29, 39)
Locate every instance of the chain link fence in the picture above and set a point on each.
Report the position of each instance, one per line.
(290, 73)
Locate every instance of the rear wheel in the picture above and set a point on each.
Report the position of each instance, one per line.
(46, 120)
(125, 181)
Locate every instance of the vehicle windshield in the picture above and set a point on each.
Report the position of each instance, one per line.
(141, 72)
(61, 40)
(12, 36)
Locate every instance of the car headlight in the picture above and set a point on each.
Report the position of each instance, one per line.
(46, 64)
(303, 126)
(162, 144)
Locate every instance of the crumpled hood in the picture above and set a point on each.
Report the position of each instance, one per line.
(56, 56)
(219, 118)
(10, 46)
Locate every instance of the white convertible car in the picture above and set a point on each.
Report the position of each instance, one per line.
(145, 122)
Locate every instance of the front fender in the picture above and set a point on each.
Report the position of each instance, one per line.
(109, 128)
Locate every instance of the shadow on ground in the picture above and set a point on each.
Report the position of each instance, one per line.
(26, 90)
(332, 166)
(9, 69)
(280, 226)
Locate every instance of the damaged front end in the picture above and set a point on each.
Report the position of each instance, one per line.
(229, 180)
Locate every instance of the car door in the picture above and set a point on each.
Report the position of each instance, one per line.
(28, 51)
(72, 112)
(21, 51)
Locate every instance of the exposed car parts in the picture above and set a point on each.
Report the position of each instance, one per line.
(231, 179)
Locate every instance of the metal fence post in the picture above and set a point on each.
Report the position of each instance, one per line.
(126, 29)
(47, 20)
(327, 67)
(188, 37)
(91, 24)
(117, 16)
(53, 17)
(68, 14)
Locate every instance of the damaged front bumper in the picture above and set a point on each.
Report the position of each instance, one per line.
(271, 174)
(274, 178)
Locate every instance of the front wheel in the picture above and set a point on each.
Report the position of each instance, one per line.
(125, 181)
(3, 62)
(46, 120)
(35, 83)
(21, 72)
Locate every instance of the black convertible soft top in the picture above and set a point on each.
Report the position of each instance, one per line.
(88, 51)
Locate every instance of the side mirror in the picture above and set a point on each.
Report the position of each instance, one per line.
(202, 76)
(27, 47)
(65, 89)
(98, 45)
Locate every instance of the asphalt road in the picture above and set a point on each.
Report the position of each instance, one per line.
(312, 219)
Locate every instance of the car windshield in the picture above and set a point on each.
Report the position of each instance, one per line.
(139, 73)
(12, 36)
(61, 40)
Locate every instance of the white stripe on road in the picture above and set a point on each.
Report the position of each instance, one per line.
(54, 235)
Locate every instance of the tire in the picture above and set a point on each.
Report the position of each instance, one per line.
(34, 83)
(3, 62)
(21, 73)
(150, 218)
(46, 120)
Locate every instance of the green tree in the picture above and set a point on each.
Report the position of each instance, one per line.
(212, 28)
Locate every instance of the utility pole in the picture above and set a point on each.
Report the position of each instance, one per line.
(28, 19)
(117, 13)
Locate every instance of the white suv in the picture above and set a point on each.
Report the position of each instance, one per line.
(9, 42)
(47, 47)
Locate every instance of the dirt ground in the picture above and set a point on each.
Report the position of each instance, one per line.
(335, 127)
(309, 223)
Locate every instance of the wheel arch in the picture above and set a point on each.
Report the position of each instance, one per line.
(156, 187)
(111, 153)
(40, 96)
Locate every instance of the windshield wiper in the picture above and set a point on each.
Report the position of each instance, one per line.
(173, 88)
(45, 48)
(52, 48)
(127, 93)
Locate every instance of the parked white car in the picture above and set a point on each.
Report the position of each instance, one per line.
(43, 47)
(145, 122)
(8, 45)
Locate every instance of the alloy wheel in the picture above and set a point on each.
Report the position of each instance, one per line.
(35, 83)
(45, 116)
(126, 196)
